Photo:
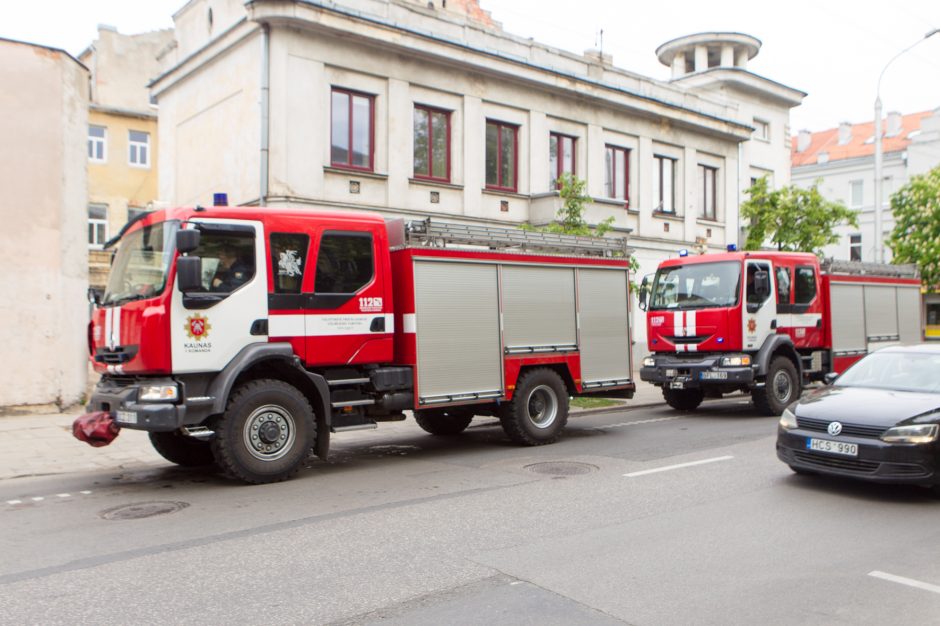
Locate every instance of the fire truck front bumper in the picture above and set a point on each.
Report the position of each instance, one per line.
(122, 401)
(695, 372)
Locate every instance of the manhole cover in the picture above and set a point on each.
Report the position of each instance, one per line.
(142, 510)
(562, 468)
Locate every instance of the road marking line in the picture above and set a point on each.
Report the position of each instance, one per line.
(63, 495)
(14, 502)
(679, 466)
(649, 421)
(37, 498)
(910, 582)
(84, 493)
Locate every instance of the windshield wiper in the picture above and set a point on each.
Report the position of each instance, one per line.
(113, 240)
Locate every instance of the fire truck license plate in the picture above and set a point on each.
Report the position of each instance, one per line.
(677, 384)
(126, 417)
(714, 376)
(833, 447)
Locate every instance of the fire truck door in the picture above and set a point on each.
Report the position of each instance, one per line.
(760, 309)
(348, 317)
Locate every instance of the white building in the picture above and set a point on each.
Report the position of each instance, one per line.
(424, 108)
(43, 268)
(842, 161)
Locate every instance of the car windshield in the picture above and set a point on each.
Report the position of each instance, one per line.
(140, 266)
(901, 371)
(696, 286)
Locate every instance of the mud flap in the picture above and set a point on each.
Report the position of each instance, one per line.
(96, 429)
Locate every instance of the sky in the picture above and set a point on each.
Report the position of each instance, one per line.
(834, 50)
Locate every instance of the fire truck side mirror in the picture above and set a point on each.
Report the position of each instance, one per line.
(187, 240)
(761, 284)
(189, 273)
(643, 292)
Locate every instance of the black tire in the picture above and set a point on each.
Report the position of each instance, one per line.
(782, 386)
(183, 450)
(683, 399)
(444, 422)
(538, 411)
(266, 433)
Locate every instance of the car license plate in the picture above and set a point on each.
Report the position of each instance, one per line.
(714, 376)
(833, 447)
(126, 417)
(677, 384)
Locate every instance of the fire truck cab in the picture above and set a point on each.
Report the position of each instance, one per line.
(768, 322)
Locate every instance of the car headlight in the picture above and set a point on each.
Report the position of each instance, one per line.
(787, 420)
(735, 361)
(156, 393)
(649, 362)
(919, 433)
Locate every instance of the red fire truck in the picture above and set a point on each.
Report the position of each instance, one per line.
(767, 322)
(244, 337)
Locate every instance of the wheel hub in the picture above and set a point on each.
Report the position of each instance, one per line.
(542, 406)
(269, 432)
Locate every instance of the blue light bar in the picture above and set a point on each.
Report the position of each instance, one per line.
(220, 199)
(683, 252)
(732, 247)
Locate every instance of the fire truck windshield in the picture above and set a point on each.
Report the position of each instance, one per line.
(141, 264)
(696, 286)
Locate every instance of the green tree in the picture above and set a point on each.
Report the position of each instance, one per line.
(792, 218)
(916, 234)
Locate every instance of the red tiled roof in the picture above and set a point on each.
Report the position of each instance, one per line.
(473, 11)
(828, 141)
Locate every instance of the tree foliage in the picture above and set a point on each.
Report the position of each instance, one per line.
(792, 218)
(916, 234)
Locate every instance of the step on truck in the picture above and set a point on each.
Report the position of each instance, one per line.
(766, 323)
(244, 337)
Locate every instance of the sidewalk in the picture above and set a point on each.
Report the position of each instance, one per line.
(40, 443)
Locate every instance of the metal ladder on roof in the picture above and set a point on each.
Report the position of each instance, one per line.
(859, 268)
(441, 234)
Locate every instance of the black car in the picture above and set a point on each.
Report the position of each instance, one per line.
(878, 421)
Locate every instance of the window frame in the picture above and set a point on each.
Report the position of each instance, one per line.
(350, 95)
(274, 244)
(499, 156)
(611, 183)
(855, 245)
(796, 285)
(559, 139)
(103, 140)
(430, 175)
(661, 160)
(860, 185)
(708, 170)
(761, 130)
(357, 234)
(132, 144)
(95, 222)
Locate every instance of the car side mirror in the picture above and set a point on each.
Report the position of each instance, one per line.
(830, 377)
(187, 240)
(189, 273)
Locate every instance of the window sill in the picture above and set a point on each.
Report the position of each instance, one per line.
(429, 182)
(668, 216)
(613, 202)
(505, 193)
(709, 222)
(354, 172)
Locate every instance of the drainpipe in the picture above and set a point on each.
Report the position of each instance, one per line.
(265, 102)
(739, 232)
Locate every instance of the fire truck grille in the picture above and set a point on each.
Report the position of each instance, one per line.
(690, 339)
(852, 430)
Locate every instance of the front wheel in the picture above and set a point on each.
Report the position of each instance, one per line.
(538, 411)
(781, 387)
(183, 450)
(683, 399)
(265, 434)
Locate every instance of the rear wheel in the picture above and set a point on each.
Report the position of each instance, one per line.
(181, 449)
(538, 411)
(781, 387)
(683, 399)
(265, 434)
(444, 422)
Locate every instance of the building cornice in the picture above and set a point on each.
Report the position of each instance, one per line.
(745, 80)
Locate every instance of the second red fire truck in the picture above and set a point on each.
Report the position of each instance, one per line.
(767, 322)
(244, 337)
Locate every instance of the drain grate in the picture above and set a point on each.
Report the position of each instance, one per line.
(142, 510)
(562, 468)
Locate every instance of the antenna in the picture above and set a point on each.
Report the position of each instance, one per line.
(600, 42)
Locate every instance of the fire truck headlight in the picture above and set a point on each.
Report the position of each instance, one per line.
(157, 393)
(649, 362)
(741, 360)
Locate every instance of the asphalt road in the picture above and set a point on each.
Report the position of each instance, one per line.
(646, 516)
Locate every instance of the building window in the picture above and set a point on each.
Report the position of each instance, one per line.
(351, 132)
(665, 184)
(617, 173)
(708, 191)
(857, 187)
(761, 130)
(97, 144)
(855, 247)
(432, 143)
(97, 225)
(501, 155)
(560, 157)
(138, 148)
